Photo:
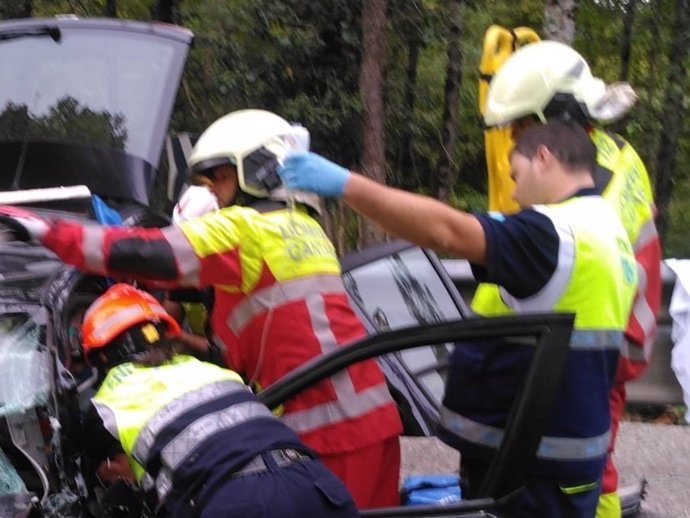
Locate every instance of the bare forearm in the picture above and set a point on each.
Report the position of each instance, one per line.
(420, 219)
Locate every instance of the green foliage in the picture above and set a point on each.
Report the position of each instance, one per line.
(468, 199)
(677, 242)
(130, 9)
(66, 121)
(301, 59)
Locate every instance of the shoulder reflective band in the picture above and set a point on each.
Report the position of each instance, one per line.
(175, 409)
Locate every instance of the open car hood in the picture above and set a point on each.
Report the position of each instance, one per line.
(87, 101)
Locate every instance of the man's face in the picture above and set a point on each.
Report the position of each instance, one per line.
(527, 175)
(224, 184)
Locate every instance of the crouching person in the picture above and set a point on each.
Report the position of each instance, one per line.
(192, 432)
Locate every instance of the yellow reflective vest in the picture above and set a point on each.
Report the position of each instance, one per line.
(126, 408)
(598, 287)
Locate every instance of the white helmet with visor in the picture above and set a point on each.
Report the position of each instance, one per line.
(548, 79)
(255, 142)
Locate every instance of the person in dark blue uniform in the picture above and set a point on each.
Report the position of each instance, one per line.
(565, 251)
(191, 432)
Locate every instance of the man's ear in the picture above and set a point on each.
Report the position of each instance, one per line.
(544, 156)
(543, 153)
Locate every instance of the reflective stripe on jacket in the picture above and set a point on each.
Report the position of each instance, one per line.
(630, 192)
(279, 301)
(289, 306)
(167, 416)
(597, 283)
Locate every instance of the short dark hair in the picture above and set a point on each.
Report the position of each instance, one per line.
(567, 141)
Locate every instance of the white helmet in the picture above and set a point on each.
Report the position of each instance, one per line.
(550, 79)
(195, 201)
(255, 142)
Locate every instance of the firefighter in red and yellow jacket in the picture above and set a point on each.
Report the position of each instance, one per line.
(279, 300)
(549, 80)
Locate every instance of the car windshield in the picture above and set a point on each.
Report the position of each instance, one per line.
(24, 363)
(102, 88)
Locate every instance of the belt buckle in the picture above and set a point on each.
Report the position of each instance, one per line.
(291, 455)
(285, 456)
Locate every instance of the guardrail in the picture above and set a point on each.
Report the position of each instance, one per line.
(658, 385)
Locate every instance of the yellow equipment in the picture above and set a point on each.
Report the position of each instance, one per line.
(499, 43)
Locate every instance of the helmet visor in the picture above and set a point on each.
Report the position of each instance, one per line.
(258, 172)
(206, 168)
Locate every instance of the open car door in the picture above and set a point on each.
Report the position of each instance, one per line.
(528, 419)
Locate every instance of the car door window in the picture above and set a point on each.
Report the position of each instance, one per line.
(406, 289)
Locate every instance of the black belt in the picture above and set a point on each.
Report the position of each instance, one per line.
(262, 462)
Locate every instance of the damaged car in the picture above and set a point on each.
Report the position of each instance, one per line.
(84, 110)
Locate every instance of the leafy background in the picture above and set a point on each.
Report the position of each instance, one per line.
(302, 60)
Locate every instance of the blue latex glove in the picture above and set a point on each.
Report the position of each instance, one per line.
(307, 171)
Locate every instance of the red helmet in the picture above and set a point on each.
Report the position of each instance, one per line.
(119, 309)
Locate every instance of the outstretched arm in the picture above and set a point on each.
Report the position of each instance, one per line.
(160, 257)
(420, 219)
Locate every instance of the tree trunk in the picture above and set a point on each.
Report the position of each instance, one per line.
(165, 11)
(559, 20)
(672, 114)
(111, 8)
(371, 91)
(626, 44)
(406, 167)
(11, 9)
(407, 175)
(446, 179)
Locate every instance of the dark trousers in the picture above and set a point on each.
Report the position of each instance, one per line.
(543, 497)
(302, 489)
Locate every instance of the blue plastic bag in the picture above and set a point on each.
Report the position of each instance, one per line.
(431, 490)
(104, 214)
